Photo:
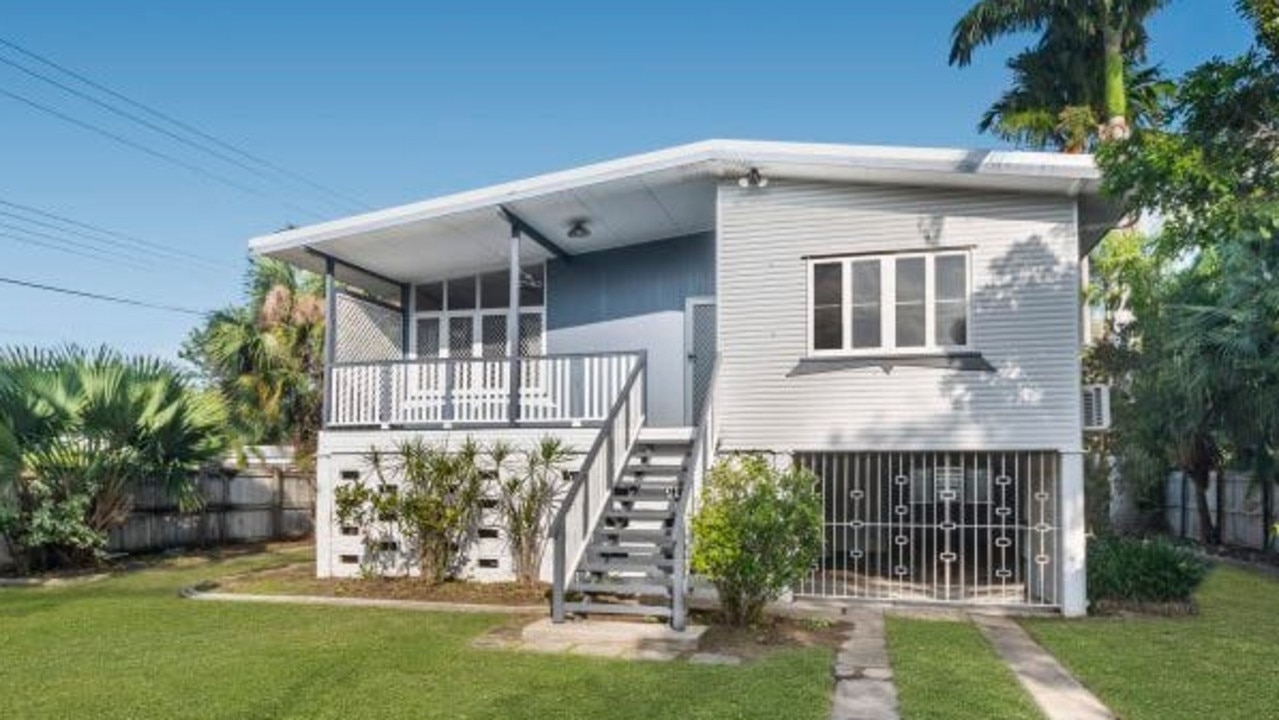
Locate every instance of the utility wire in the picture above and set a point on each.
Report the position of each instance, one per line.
(143, 122)
(139, 262)
(98, 296)
(152, 152)
(100, 257)
(148, 254)
(333, 194)
(121, 251)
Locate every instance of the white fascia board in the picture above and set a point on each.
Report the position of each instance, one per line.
(717, 157)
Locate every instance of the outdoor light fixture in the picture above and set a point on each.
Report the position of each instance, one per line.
(753, 179)
(577, 229)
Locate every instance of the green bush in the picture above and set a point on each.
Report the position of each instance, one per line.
(1134, 571)
(757, 532)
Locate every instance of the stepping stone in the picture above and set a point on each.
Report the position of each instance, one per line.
(705, 658)
(865, 700)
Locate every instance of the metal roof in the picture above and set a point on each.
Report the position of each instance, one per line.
(654, 195)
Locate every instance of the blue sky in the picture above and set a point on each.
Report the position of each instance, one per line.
(396, 101)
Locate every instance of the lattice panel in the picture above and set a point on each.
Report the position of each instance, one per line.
(530, 334)
(703, 354)
(366, 332)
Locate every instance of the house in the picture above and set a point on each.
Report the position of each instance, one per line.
(905, 322)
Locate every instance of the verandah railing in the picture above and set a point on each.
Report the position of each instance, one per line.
(587, 497)
(577, 389)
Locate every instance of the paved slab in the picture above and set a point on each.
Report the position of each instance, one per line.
(604, 638)
(1058, 694)
(864, 687)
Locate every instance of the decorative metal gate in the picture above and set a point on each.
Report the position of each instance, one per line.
(962, 527)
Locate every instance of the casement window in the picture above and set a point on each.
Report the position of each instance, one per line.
(899, 303)
(466, 317)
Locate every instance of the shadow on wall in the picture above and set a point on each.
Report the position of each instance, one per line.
(1016, 324)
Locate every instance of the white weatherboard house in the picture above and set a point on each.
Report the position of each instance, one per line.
(905, 322)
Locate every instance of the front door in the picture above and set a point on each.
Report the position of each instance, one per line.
(700, 346)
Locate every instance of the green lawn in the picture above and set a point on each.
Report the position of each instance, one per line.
(128, 647)
(948, 671)
(1223, 663)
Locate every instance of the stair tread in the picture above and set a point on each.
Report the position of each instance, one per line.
(654, 435)
(603, 608)
(661, 533)
(614, 588)
(601, 564)
(625, 514)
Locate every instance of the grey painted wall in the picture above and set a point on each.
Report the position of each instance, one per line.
(633, 298)
(1025, 321)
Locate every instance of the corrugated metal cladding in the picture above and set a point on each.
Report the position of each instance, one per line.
(1024, 321)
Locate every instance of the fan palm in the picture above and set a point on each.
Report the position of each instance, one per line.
(1086, 57)
(81, 432)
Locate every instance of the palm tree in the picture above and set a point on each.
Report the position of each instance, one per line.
(266, 356)
(82, 432)
(1084, 44)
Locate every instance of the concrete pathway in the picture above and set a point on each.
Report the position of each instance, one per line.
(1058, 694)
(864, 687)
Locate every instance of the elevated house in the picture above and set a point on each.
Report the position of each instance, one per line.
(905, 322)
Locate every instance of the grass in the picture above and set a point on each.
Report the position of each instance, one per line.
(128, 647)
(948, 671)
(1219, 664)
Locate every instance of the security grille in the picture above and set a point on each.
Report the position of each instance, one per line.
(366, 332)
(963, 527)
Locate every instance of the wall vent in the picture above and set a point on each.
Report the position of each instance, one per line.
(1096, 407)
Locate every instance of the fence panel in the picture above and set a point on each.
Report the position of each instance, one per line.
(1240, 516)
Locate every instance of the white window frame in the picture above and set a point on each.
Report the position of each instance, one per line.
(888, 304)
(476, 314)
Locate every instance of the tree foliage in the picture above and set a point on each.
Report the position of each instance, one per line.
(757, 532)
(80, 433)
(1202, 382)
(1086, 72)
(266, 357)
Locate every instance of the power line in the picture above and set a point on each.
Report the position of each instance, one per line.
(122, 251)
(152, 152)
(297, 177)
(61, 248)
(142, 121)
(99, 297)
(115, 239)
(68, 244)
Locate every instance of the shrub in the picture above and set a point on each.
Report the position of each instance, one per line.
(757, 533)
(1134, 571)
(438, 504)
(80, 433)
(527, 502)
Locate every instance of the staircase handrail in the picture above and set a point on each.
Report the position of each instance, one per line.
(701, 458)
(622, 409)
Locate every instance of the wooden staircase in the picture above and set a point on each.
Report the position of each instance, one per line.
(629, 564)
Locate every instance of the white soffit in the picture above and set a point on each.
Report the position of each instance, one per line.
(667, 193)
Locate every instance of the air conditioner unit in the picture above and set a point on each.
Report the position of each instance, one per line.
(1096, 407)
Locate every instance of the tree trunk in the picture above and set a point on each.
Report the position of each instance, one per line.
(1116, 95)
(1208, 534)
